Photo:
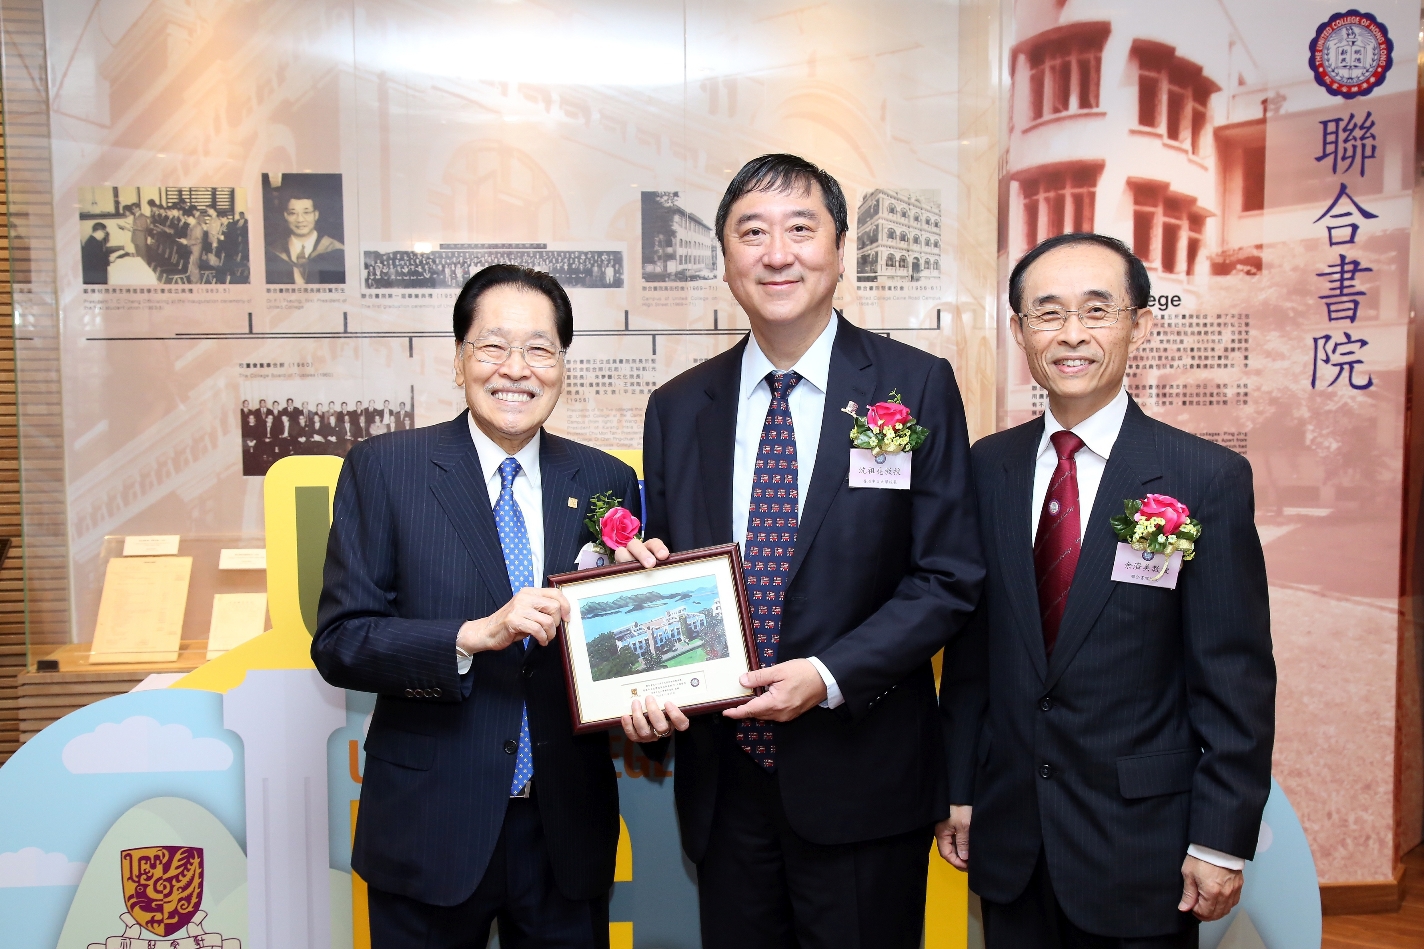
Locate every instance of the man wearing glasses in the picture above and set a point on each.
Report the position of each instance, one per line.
(1110, 738)
(478, 802)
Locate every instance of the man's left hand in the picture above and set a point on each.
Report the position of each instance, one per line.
(792, 688)
(1208, 891)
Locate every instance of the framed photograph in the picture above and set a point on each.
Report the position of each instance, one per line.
(680, 631)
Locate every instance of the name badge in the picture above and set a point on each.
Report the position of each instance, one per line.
(1146, 568)
(590, 556)
(871, 470)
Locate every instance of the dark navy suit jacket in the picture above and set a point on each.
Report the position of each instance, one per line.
(413, 554)
(880, 581)
(1152, 725)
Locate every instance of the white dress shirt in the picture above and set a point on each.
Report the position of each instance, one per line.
(807, 402)
(301, 248)
(1099, 433)
(528, 495)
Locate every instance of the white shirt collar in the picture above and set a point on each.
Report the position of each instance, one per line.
(295, 243)
(492, 456)
(1098, 431)
(814, 366)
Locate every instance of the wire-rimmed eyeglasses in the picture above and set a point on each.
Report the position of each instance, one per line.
(1091, 315)
(493, 352)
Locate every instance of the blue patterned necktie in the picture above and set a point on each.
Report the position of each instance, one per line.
(519, 564)
(770, 541)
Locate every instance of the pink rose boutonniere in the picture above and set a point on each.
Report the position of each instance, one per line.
(617, 527)
(887, 427)
(613, 525)
(1158, 524)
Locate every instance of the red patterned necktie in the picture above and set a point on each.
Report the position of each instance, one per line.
(1055, 549)
(770, 541)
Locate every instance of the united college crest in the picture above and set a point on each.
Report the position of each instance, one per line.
(163, 890)
(1350, 54)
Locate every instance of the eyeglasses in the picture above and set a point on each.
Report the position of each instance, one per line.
(1093, 316)
(494, 352)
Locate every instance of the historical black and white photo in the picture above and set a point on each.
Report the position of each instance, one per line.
(278, 428)
(448, 266)
(897, 236)
(677, 244)
(137, 235)
(304, 229)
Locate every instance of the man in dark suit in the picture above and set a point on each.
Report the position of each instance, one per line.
(94, 255)
(1110, 740)
(809, 810)
(478, 802)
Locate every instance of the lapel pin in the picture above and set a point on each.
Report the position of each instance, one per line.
(850, 408)
(573, 503)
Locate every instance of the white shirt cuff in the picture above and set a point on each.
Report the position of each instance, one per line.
(462, 661)
(834, 699)
(1224, 860)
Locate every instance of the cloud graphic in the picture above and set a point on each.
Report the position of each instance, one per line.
(33, 867)
(140, 744)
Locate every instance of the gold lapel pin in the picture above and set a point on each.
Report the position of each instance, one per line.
(573, 503)
(850, 408)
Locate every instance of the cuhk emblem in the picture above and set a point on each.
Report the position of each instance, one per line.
(1350, 54)
(163, 886)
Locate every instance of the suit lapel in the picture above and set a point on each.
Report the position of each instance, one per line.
(851, 379)
(1134, 464)
(460, 488)
(563, 523)
(1014, 526)
(716, 440)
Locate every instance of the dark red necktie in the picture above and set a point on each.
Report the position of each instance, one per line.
(1055, 548)
(769, 543)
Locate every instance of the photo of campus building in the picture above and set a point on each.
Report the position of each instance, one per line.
(677, 244)
(897, 236)
(677, 636)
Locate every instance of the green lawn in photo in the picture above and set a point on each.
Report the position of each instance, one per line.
(688, 658)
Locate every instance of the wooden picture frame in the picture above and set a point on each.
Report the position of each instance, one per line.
(635, 632)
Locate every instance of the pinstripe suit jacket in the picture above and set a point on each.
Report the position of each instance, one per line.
(413, 554)
(1151, 727)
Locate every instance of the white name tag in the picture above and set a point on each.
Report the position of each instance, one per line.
(589, 557)
(869, 470)
(1145, 567)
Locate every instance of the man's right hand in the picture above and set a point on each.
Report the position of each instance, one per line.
(531, 612)
(952, 836)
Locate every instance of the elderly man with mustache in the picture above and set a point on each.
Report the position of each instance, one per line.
(478, 801)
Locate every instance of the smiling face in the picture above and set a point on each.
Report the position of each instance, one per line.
(301, 215)
(510, 401)
(1081, 369)
(782, 256)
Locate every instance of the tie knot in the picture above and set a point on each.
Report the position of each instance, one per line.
(1064, 442)
(782, 382)
(508, 470)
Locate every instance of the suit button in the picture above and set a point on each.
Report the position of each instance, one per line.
(410, 693)
(528, 672)
(1045, 703)
(435, 692)
(511, 746)
(1045, 771)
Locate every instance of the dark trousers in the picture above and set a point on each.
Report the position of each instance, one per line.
(763, 886)
(517, 890)
(1036, 921)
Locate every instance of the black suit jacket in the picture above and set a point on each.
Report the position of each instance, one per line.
(413, 554)
(1151, 727)
(880, 581)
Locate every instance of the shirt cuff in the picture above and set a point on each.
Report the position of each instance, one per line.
(834, 699)
(1224, 860)
(462, 661)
